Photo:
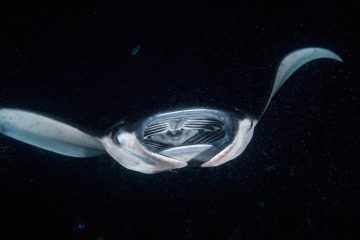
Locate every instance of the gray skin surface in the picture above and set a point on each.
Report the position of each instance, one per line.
(128, 147)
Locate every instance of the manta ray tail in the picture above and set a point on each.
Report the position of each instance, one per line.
(49, 134)
(293, 62)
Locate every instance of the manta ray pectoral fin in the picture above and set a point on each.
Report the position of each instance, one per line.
(288, 66)
(293, 62)
(47, 133)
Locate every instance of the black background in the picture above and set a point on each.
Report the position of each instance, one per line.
(298, 178)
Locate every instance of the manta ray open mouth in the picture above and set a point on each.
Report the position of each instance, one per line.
(199, 132)
(173, 132)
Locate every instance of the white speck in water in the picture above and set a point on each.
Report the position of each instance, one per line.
(135, 50)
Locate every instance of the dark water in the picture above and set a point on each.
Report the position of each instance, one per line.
(95, 65)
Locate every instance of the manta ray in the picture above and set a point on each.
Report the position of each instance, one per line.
(161, 142)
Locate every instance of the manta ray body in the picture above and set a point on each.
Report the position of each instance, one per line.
(164, 141)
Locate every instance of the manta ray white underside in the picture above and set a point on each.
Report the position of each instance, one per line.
(169, 140)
